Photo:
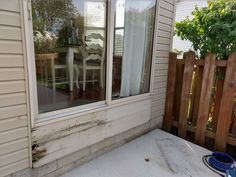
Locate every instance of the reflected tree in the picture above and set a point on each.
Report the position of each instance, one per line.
(49, 15)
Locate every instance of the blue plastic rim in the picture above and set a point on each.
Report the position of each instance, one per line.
(231, 173)
(221, 161)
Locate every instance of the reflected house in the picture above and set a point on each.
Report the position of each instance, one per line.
(77, 78)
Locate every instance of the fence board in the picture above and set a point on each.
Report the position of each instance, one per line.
(185, 93)
(205, 98)
(226, 107)
(178, 88)
(233, 131)
(216, 111)
(218, 97)
(170, 92)
(197, 92)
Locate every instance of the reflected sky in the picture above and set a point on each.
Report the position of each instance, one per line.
(124, 5)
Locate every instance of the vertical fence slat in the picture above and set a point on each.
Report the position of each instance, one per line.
(226, 106)
(170, 92)
(192, 95)
(197, 92)
(218, 97)
(178, 88)
(205, 98)
(185, 93)
(234, 121)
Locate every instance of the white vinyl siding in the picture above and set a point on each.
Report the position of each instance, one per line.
(163, 42)
(58, 139)
(14, 146)
(61, 138)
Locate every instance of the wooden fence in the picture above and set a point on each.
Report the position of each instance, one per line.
(201, 100)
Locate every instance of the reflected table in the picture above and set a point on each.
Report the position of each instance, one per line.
(43, 58)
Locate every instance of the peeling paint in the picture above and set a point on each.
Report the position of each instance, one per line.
(92, 123)
(37, 152)
(33, 129)
(66, 131)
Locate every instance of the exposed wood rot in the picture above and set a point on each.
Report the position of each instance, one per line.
(37, 152)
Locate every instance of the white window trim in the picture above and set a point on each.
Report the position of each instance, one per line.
(58, 115)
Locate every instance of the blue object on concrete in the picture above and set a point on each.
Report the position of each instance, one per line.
(221, 161)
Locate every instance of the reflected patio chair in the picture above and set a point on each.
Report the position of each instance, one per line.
(57, 81)
(92, 60)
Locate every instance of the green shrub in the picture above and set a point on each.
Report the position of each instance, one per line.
(212, 28)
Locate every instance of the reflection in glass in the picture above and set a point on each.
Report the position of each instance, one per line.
(70, 44)
(133, 41)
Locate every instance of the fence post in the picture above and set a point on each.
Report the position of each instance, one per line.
(205, 98)
(226, 106)
(170, 92)
(185, 92)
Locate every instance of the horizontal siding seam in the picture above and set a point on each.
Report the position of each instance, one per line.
(13, 80)
(11, 67)
(163, 7)
(11, 26)
(15, 141)
(4, 155)
(162, 37)
(158, 43)
(160, 29)
(11, 164)
(24, 103)
(12, 117)
(10, 11)
(165, 24)
(161, 15)
(9, 54)
(169, 2)
(162, 50)
(20, 92)
(23, 158)
(11, 40)
(11, 130)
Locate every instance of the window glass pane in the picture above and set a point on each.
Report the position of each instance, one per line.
(70, 48)
(119, 41)
(133, 43)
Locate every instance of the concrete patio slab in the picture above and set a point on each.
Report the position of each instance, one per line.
(156, 154)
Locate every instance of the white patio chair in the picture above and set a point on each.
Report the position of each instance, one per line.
(92, 61)
(57, 67)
